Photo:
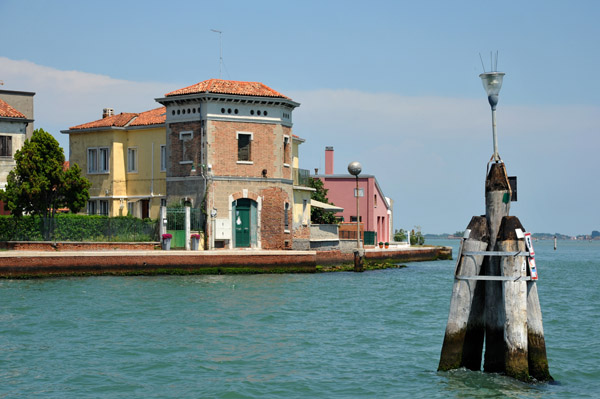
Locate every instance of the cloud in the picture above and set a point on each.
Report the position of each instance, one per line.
(68, 98)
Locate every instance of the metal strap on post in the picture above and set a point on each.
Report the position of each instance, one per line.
(496, 253)
(494, 278)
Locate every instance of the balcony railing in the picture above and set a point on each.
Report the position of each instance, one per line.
(301, 177)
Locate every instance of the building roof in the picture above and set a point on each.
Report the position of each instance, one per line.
(155, 116)
(220, 86)
(7, 111)
(126, 119)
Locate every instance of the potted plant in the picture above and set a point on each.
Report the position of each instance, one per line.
(387, 244)
(380, 244)
(166, 241)
(195, 241)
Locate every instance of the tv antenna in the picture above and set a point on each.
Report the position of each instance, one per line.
(220, 49)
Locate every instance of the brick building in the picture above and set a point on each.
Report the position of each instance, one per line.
(229, 152)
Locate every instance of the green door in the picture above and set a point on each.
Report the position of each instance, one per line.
(242, 223)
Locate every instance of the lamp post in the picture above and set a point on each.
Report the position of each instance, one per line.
(355, 168)
(492, 82)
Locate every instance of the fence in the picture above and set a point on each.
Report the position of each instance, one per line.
(369, 237)
(70, 227)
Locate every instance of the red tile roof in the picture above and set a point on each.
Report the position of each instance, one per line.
(153, 117)
(9, 112)
(228, 87)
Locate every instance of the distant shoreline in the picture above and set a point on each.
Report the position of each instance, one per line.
(536, 236)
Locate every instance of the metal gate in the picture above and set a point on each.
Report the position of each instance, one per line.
(176, 224)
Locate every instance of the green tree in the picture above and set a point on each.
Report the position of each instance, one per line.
(40, 185)
(400, 235)
(319, 215)
(417, 237)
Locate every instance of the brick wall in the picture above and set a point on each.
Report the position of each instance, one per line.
(266, 149)
(175, 148)
(77, 246)
(272, 219)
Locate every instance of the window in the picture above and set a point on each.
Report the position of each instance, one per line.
(244, 147)
(103, 207)
(98, 160)
(92, 161)
(163, 158)
(91, 208)
(132, 159)
(186, 146)
(375, 200)
(5, 146)
(353, 219)
(103, 160)
(131, 208)
(286, 150)
(286, 217)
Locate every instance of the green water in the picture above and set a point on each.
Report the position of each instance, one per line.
(337, 335)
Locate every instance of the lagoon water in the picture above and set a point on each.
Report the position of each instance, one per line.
(335, 335)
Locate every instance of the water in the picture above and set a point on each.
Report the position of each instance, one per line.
(340, 335)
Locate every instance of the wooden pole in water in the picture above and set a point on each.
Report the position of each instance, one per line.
(536, 343)
(463, 340)
(497, 205)
(515, 299)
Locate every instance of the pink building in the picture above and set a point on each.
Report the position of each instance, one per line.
(375, 209)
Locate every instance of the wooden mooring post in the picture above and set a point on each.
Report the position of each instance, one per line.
(494, 295)
(463, 340)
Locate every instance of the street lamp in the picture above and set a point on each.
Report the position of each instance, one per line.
(354, 168)
(492, 82)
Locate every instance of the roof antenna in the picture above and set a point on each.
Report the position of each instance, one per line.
(220, 49)
(483, 66)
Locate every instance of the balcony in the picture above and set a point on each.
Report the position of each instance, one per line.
(301, 177)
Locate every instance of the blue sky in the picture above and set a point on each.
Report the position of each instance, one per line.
(391, 84)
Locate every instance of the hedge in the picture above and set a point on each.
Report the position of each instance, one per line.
(69, 227)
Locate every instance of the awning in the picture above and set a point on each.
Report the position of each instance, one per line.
(327, 207)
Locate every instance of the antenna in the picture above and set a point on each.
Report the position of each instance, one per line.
(493, 62)
(483, 66)
(220, 49)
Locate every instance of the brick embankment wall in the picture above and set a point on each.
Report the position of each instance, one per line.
(403, 255)
(153, 262)
(77, 246)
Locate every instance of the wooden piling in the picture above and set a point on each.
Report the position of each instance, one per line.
(515, 299)
(497, 205)
(463, 340)
(359, 255)
(536, 343)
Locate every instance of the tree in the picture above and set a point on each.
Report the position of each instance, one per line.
(400, 235)
(417, 238)
(319, 215)
(40, 185)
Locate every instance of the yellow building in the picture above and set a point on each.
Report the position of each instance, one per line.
(124, 157)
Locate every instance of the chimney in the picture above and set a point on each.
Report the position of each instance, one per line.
(328, 160)
(106, 112)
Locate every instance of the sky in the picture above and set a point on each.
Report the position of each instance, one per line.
(392, 84)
